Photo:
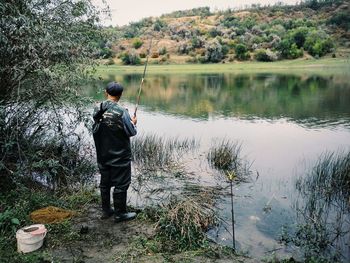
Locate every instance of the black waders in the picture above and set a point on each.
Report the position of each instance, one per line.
(107, 211)
(113, 128)
(120, 213)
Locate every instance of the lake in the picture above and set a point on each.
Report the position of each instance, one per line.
(284, 122)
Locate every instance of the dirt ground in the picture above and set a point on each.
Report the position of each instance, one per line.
(105, 241)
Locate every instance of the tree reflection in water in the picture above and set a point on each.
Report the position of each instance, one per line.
(309, 100)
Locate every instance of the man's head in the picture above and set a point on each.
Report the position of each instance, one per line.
(114, 89)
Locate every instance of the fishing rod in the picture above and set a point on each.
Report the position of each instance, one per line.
(143, 78)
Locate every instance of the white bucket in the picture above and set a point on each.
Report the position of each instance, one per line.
(30, 238)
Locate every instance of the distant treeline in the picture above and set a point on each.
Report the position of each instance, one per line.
(262, 33)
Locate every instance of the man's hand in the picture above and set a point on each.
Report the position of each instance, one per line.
(134, 120)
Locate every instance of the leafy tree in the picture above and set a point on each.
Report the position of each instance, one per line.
(241, 52)
(46, 48)
(318, 43)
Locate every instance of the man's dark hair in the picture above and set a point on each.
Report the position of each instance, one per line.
(114, 89)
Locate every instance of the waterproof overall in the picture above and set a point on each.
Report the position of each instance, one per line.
(112, 131)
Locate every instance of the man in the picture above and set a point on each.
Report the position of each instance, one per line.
(113, 128)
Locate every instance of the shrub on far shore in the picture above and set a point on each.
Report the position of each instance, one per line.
(318, 43)
(242, 52)
(130, 58)
(213, 52)
(137, 43)
(265, 55)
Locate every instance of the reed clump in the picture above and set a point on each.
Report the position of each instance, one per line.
(329, 180)
(153, 152)
(225, 156)
(182, 223)
(323, 208)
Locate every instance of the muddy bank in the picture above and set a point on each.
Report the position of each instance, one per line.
(104, 241)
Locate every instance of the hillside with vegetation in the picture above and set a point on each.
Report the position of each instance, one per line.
(270, 33)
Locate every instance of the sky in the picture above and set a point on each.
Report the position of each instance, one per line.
(125, 11)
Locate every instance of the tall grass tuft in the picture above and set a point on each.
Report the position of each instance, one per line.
(154, 152)
(329, 179)
(225, 156)
(182, 222)
(324, 208)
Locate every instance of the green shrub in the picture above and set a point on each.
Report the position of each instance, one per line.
(229, 21)
(242, 52)
(261, 55)
(278, 30)
(137, 43)
(213, 51)
(214, 32)
(257, 40)
(225, 49)
(159, 25)
(289, 49)
(231, 44)
(106, 53)
(129, 58)
(197, 42)
(294, 52)
(318, 43)
(248, 22)
(162, 51)
(240, 30)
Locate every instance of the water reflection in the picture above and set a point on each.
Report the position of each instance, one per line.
(271, 114)
(311, 101)
(323, 209)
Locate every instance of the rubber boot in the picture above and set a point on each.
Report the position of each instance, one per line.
(120, 213)
(107, 211)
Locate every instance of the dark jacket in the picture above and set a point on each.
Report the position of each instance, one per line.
(112, 131)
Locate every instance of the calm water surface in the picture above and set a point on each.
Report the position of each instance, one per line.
(284, 122)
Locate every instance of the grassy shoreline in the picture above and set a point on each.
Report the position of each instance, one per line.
(324, 66)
